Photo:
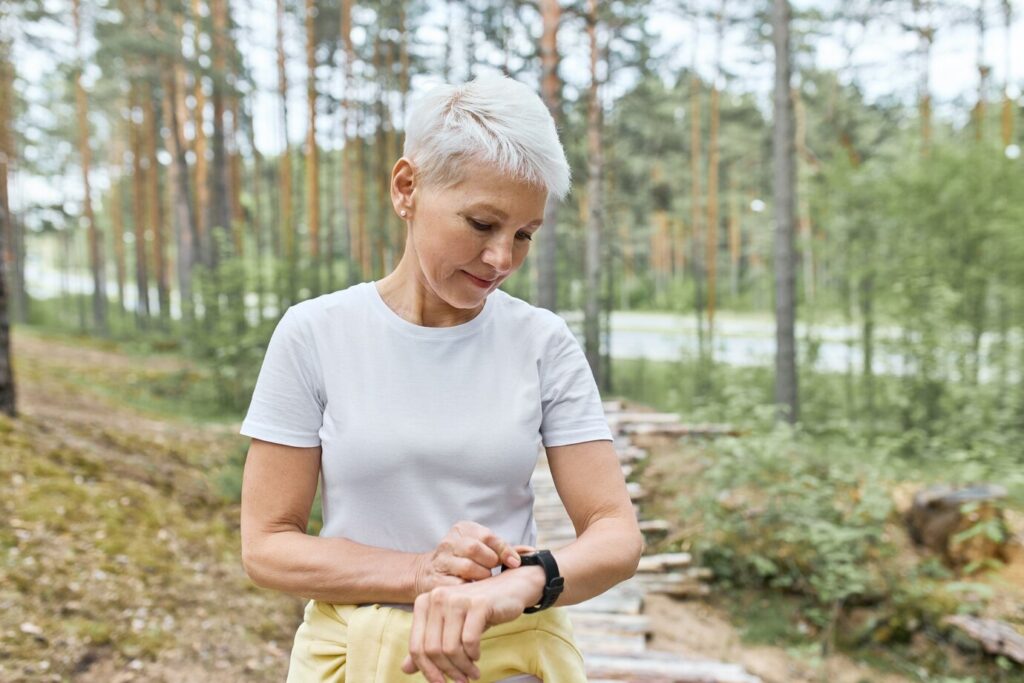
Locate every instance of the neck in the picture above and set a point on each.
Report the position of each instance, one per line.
(407, 292)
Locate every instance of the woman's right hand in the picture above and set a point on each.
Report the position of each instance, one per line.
(468, 552)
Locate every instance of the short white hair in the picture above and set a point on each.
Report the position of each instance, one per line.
(493, 120)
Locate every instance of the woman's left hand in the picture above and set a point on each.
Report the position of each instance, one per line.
(449, 621)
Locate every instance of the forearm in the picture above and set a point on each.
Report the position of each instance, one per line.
(335, 570)
(605, 554)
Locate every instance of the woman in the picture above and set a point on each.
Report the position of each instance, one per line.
(420, 402)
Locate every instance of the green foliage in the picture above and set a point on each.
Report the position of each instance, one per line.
(225, 337)
(783, 513)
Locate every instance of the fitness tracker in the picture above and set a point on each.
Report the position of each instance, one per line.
(554, 582)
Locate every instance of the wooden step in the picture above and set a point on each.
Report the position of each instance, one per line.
(663, 667)
(663, 562)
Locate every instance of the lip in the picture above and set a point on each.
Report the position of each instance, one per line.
(478, 282)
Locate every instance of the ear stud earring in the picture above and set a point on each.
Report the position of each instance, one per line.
(403, 213)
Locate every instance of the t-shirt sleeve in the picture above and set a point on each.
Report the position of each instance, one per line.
(570, 401)
(288, 402)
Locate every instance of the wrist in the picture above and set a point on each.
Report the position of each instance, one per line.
(529, 583)
(414, 583)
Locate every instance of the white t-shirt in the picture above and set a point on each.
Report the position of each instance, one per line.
(421, 427)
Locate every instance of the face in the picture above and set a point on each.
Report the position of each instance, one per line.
(480, 228)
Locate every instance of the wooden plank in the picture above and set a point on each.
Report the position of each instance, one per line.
(654, 526)
(617, 600)
(659, 563)
(678, 429)
(622, 623)
(652, 418)
(653, 666)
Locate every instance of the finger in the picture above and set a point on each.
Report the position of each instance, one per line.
(417, 650)
(466, 569)
(477, 551)
(506, 552)
(451, 639)
(432, 637)
(472, 631)
(524, 549)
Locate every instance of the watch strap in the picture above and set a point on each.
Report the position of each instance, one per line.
(554, 582)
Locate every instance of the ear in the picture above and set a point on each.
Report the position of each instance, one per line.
(403, 187)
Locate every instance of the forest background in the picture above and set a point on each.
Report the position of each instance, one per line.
(805, 222)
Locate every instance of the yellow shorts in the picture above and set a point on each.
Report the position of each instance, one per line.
(339, 643)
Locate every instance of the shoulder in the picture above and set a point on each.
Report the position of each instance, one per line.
(546, 328)
(312, 315)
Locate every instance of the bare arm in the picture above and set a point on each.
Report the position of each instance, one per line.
(609, 544)
(278, 486)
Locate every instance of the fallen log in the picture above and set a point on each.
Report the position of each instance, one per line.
(996, 637)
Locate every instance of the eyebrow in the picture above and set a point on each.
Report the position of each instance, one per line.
(501, 214)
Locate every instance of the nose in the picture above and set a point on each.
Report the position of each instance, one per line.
(498, 254)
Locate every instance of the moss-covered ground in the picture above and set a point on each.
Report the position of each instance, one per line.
(119, 550)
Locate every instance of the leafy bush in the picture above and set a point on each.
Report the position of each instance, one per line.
(781, 513)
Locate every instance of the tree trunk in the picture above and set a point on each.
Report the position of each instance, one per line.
(983, 72)
(220, 223)
(287, 227)
(592, 321)
(312, 160)
(735, 239)
(926, 35)
(713, 227)
(551, 89)
(696, 223)
(155, 219)
(181, 202)
(346, 152)
(9, 254)
(139, 218)
(117, 215)
(7, 393)
(804, 227)
(1007, 123)
(96, 260)
(235, 180)
(202, 176)
(783, 182)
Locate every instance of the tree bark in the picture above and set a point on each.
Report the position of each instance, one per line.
(139, 218)
(12, 253)
(591, 320)
(202, 174)
(551, 89)
(696, 224)
(312, 159)
(287, 227)
(181, 202)
(347, 172)
(96, 260)
(155, 218)
(713, 227)
(117, 215)
(1007, 114)
(783, 166)
(7, 389)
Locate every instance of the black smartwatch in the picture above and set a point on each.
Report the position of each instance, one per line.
(554, 582)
